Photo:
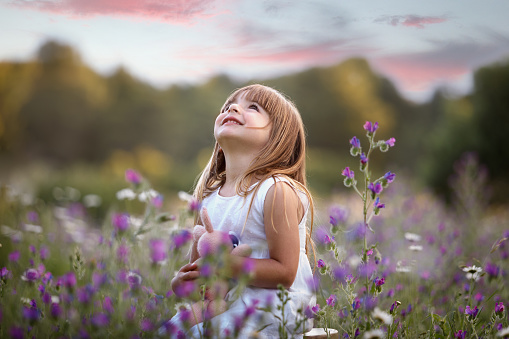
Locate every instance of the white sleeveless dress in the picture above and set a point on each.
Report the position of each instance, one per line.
(229, 214)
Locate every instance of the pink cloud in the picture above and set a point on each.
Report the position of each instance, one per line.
(415, 75)
(411, 20)
(319, 54)
(176, 11)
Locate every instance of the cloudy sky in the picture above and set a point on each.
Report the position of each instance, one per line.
(418, 44)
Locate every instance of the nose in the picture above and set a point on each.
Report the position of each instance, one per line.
(233, 108)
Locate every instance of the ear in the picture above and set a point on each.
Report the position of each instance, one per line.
(206, 220)
(198, 231)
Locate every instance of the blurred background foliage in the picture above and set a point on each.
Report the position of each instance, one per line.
(62, 124)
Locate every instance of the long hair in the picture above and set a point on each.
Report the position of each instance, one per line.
(284, 154)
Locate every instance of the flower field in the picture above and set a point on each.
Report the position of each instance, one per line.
(391, 260)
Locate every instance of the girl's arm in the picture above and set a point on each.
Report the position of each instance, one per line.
(282, 214)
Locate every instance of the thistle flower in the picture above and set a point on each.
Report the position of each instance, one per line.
(120, 222)
(134, 280)
(31, 275)
(132, 177)
(370, 127)
(158, 251)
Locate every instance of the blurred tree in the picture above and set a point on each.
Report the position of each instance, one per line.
(491, 119)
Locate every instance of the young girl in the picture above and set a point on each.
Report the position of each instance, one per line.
(255, 186)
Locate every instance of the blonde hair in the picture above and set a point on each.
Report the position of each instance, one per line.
(283, 155)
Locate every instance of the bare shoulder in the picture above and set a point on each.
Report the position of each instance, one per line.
(283, 198)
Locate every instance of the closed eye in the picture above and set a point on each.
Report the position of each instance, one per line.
(255, 107)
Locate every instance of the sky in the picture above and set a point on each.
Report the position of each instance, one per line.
(419, 45)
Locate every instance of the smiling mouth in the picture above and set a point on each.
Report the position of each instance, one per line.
(231, 121)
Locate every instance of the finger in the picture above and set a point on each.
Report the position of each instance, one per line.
(192, 275)
(189, 267)
(206, 220)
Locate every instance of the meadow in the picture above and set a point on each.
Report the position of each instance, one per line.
(391, 259)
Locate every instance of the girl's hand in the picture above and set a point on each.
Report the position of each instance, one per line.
(186, 273)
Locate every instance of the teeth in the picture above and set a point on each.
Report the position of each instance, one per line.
(232, 121)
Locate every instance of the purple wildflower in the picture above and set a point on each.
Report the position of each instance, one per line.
(99, 279)
(492, 270)
(339, 273)
(181, 238)
(355, 142)
(356, 304)
(364, 159)
(44, 252)
(4, 273)
(194, 205)
(16, 332)
(390, 142)
(33, 217)
(337, 215)
(377, 204)
(31, 275)
(248, 266)
(134, 280)
(158, 251)
(157, 201)
(100, 320)
(320, 263)
(186, 289)
(499, 308)
(46, 298)
(132, 177)
(315, 309)
(84, 294)
(69, 280)
(472, 312)
(123, 253)
(389, 177)
(14, 256)
(146, 325)
(460, 334)
(370, 127)
(331, 301)
(379, 281)
(55, 310)
(348, 173)
(394, 306)
(120, 221)
(31, 314)
(376, 187)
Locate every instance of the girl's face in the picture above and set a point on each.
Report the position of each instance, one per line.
(243, 123)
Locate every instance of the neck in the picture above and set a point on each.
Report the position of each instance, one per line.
(237, 163)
